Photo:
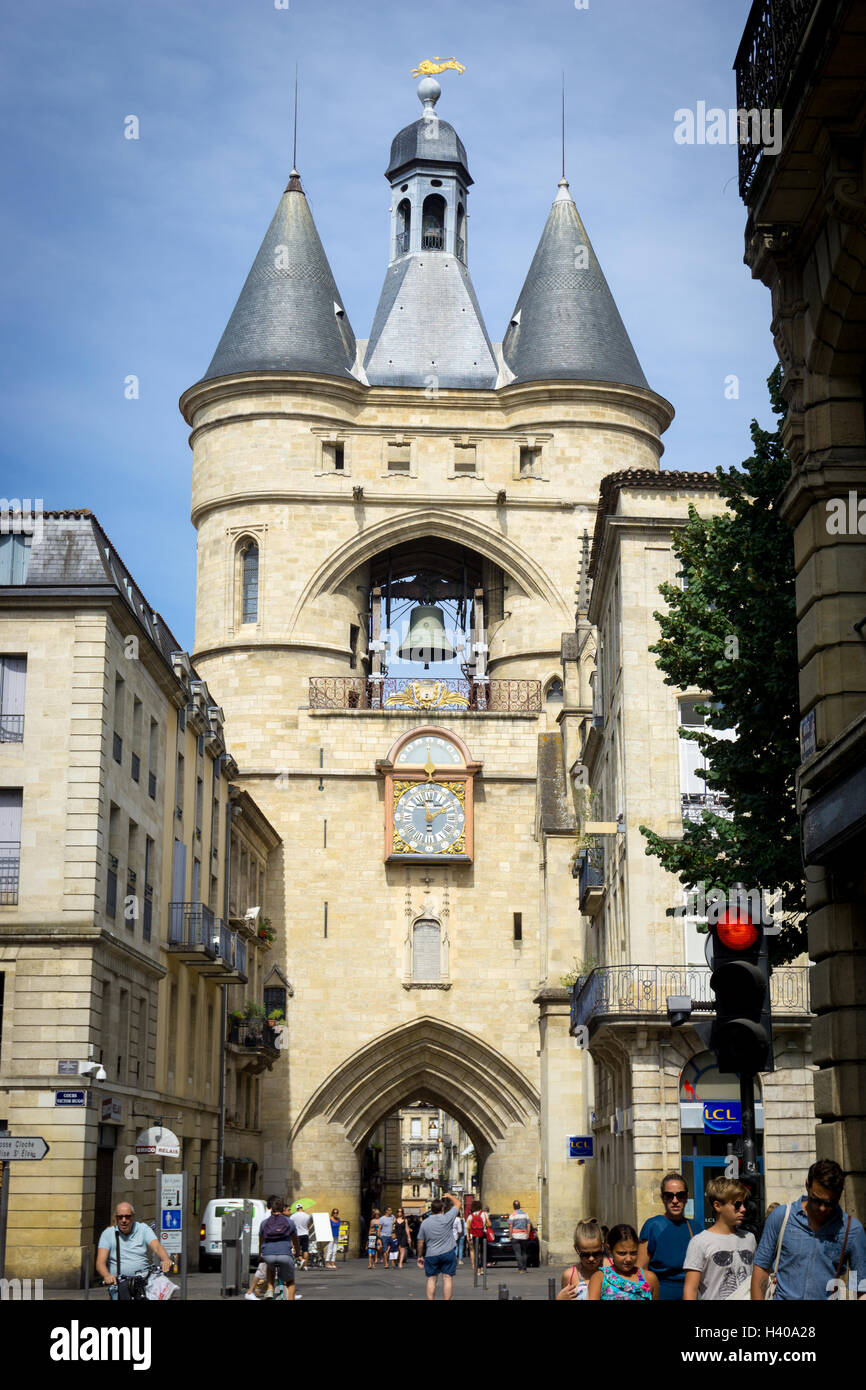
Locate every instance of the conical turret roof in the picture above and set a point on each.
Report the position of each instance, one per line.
(289, 316)
(566, 324)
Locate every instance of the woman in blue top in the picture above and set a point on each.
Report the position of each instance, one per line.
(664, 1240)
(331, 1252)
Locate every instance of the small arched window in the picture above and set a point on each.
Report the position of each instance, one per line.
(426, 950)
(460, 244)
(249, 582)
(433, 223)
(404, 226)
(553, 695)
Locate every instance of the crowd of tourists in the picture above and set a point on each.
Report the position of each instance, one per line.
(809, 1249)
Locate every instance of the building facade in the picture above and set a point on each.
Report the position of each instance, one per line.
(650, 1080)
(806, 240)
(345, 491)
(114, 948)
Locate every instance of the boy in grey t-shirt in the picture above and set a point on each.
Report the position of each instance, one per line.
(720, 1259)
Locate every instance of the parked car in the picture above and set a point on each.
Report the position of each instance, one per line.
(211, 1232)
(500, 1249)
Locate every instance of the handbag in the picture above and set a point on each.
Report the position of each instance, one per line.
(770, 1291)
(488, 1231)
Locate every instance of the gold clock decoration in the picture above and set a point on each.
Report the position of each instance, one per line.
(428, 798)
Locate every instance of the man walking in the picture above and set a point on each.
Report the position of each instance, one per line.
(302, 1220)
(810, 1243)
(518, 1234)
(664, 1240)
(386, 1229)
(719, 1259)
(437, 1245)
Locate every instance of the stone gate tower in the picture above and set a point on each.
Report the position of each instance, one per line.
(426, 911)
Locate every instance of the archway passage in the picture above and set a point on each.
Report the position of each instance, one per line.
(427, 1059)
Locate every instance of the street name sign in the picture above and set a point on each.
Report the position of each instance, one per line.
(69, 1098)
(22, 1148)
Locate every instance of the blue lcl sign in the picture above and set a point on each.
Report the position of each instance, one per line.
(722, 1117)
(580, 1146)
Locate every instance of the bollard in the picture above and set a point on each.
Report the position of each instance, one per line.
(484, 1257)
(87, 1274)
(503, 1291)
(551, 1288)
(475, 1263)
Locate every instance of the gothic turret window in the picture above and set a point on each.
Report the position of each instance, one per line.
(433, 223)
(404, 227)
(249, 582)
(460, 244)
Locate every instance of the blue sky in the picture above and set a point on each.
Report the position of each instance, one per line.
(126, 257)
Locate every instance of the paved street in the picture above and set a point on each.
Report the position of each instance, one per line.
(353, 1280)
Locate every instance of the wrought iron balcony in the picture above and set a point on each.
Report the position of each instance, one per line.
(11, 728)
(589, 870)
(765, 65)
(191, 924)
(425, 694)
(10, 864)
(433, 240)
(695, 803)
(641, 991)
(253, 1033)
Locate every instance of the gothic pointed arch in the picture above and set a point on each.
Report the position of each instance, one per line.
(429, 1057)
(429, 522)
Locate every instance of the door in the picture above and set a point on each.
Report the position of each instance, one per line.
(102, 1211)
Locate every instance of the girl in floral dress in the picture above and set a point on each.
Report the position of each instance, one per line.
(623, 1280)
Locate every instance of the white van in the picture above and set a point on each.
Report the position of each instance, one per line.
(211, 1233)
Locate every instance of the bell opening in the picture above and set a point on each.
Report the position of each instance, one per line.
(427, 641)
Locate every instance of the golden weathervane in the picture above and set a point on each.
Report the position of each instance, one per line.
(428, 66)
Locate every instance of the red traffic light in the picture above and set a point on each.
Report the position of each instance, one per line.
(736, 930)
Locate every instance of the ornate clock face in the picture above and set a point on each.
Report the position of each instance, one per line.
(429, 748)
(429, 818)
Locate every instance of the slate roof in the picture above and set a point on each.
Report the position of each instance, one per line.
(568, 326)
(428, 140)
(289, 316)
(642, 479)
(429, 324)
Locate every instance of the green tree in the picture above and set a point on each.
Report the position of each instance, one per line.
(731, 632)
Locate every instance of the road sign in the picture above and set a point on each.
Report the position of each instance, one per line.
(171, 1217)
(19, 1148)
(69, 1098)
(580, 1146)
(170, 1205)
(67, 1066)
(172, 1187)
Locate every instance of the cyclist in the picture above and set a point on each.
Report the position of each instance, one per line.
(136, 1240)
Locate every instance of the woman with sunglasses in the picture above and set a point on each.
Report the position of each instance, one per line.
(589, 1244)
(664, 1240)
(719, 1259)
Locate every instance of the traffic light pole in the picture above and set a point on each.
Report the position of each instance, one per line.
(747, 1113)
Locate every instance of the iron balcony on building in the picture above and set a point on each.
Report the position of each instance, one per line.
(253, 1044)
(589, 871)
(695, 803)
(10, 865)
(640, 992)
(11, 728)
(205, 941)
(772, 67)
(425, 693)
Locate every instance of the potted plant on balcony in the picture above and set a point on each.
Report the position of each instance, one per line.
(265, 932)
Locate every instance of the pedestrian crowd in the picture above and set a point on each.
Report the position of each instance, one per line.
(810, 1248)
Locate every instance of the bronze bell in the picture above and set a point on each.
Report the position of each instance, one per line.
(426, 640)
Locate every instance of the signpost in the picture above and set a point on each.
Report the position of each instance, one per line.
(15, 1148)
(171, 1202)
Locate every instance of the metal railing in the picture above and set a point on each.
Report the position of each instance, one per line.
(11, 728)
(223, 941)
(191, 924)
(256, 1032)
(695, 803)
(629, 990)
(240, 949)
(402, 243)
(590, 867)
(765, 65)
(433, 241)
(10, 867)
(425, 694)
(111, 887)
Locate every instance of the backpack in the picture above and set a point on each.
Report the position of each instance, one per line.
(476, 1224)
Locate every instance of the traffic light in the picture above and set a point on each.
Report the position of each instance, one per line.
(742, 1036)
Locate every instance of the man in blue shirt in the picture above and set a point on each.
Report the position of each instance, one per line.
(811, 1257)
(136, 1240)
(664, 1240)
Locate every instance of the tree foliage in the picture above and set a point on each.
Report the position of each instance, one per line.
(731, 632)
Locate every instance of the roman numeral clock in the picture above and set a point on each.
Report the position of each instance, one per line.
(429, 778)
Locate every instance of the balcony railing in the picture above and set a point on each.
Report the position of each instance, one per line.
(425, 694)
(147, 921)
(590, 874)
(626, 991)
(11, 728)
(433, 241)
(240, 954)
(695, 803)
(765, 65)
(10, 864)
(256, 1033)
(223, 940)
(402, 242)
(191, 924)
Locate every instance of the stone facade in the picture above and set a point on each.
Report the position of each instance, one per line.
(806, 240)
